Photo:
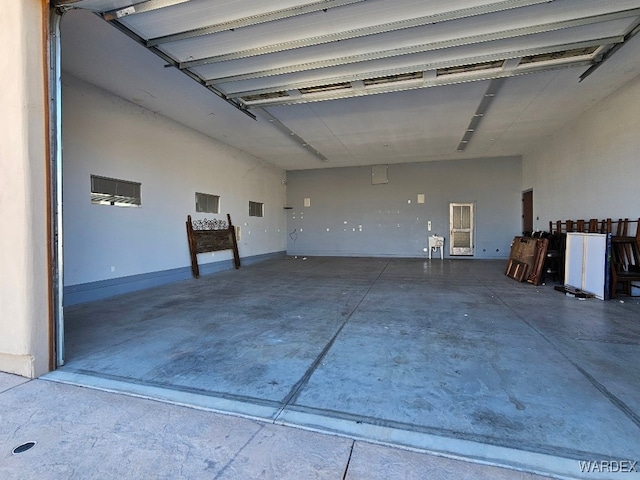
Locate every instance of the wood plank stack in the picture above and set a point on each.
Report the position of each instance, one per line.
(527, 259)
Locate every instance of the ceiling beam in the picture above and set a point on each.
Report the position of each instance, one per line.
(506, 55)
(422, 48)
(366, 31)
(252, 20)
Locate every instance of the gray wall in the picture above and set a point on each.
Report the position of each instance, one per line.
(110, 250)
(589, 169)
(393, 223)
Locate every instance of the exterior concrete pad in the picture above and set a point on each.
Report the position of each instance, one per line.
(290, 454)
(437, 444)
(375, 462)
(84, 433)
(8, 381)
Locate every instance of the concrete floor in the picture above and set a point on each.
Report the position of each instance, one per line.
(449, 357)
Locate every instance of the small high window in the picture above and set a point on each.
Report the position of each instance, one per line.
(111, 191)
(256, 209)
(207, 203)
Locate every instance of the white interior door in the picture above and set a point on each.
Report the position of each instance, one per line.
(461, 222)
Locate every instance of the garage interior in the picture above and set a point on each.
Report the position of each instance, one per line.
(338, 135)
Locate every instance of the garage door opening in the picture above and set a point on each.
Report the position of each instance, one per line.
(439, 355)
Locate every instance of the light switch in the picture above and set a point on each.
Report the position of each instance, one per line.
(429, 226)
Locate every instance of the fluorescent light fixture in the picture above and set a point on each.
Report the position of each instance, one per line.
(489, 96)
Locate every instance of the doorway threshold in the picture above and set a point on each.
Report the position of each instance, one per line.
(365, 429)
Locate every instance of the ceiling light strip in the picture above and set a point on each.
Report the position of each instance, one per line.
(481, 112)
(141, 7)
(422, 48)
(431, 66)
(171, 62)
(366, 31)
(252, 20)
(290, 133)
(413, 85)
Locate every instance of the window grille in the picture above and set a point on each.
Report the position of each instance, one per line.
(207, 203)
(111, 191)
(256, 209)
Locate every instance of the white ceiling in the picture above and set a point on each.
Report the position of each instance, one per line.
(358, 82)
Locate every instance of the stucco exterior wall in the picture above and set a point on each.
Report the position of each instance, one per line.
(24, 291)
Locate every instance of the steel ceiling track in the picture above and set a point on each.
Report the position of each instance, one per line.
(126, 9)
(613, 49)
(172, 63)
(112, 7)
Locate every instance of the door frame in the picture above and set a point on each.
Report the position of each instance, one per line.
(57, 355)
(527, 210)
(472, 229)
